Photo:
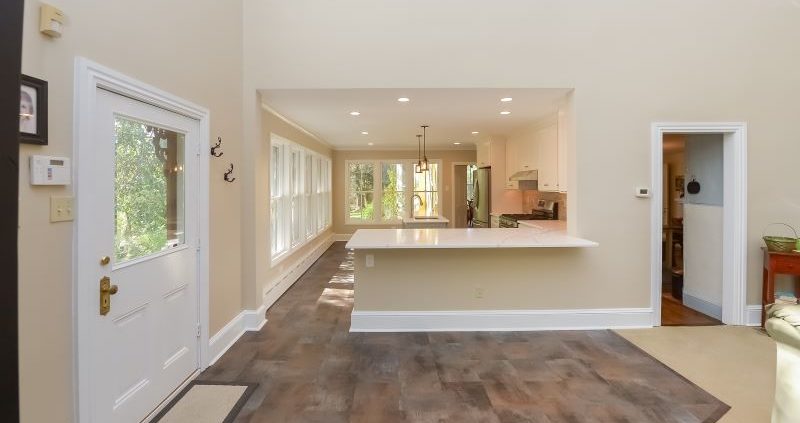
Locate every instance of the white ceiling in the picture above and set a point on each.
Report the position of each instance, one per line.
(452, 113)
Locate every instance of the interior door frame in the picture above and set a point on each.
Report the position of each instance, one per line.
(734, 225)
(89, 76)
(453, 187)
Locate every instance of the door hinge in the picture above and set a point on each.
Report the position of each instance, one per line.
(198, 330)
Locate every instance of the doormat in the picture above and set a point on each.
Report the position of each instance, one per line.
(207, 402)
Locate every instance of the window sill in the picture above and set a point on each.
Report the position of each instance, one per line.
(391, 223)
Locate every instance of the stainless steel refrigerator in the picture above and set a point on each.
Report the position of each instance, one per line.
(483, 197)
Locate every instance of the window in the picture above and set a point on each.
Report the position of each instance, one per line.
(426, 192)
(300, 195)
(385, 191)
(361, 190)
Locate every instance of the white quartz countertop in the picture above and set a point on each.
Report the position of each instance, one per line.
(438, 219)
(522, 237)
(546, 225)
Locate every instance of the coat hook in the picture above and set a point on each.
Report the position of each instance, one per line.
(227, 176)
(217, 146)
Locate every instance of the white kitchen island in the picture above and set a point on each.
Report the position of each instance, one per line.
(523, 237)
(470, 278)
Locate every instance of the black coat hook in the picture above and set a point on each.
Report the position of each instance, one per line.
(227, 176)
(216, 147)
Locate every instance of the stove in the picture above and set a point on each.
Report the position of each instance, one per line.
(544, 210)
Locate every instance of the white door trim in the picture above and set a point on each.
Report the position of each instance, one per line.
(88, 77)
(453, 188)
(734, 259)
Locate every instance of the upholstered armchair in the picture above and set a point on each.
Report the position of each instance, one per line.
(783, 325)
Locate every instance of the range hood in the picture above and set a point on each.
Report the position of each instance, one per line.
(525, 175)
(526, 179)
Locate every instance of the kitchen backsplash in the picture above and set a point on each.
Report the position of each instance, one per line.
(529, 199)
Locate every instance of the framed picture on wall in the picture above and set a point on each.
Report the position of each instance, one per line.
(33, 110)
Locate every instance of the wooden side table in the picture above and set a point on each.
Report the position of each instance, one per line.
(777, 263)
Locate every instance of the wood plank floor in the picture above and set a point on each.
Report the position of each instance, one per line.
(674, 313)
(311, 369)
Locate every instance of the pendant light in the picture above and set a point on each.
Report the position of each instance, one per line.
(424, 165)
(418, 164)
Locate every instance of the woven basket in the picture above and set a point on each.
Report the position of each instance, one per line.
(780, 243)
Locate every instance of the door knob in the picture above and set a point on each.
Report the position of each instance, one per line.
(106, 291)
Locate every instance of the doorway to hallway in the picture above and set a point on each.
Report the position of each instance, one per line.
(463, 194)
(707, 234)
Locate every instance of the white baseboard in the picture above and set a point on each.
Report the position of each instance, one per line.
(247, 320)
(753, 316)
(500, 320)
(703, 306)
(254, 320)
(282, 283)
(342, 237)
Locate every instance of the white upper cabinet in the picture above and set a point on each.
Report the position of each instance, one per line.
(484, 153)
(547, 146)
(512, 155)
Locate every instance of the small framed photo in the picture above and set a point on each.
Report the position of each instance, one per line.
(33, 111)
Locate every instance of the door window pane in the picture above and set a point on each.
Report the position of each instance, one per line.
(148, 189)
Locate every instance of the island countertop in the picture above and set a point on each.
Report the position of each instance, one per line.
(522, 237)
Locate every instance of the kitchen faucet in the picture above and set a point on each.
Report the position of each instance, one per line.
(416, 196)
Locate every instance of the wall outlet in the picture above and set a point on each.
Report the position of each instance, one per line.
(478, 292)
(370, 260)
(61, 209)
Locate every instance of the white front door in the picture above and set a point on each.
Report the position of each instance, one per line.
(142, 227)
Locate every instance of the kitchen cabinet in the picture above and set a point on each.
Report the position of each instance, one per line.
(512, 153)
(564, 135)
(547, 146)
(484, 153)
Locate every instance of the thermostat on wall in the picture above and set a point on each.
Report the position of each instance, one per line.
(643, 192)
(49, 170)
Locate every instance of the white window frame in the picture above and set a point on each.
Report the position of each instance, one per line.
(309, 196)
(377, 198)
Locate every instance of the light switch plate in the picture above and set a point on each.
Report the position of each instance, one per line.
(61, 209)
(370, 260)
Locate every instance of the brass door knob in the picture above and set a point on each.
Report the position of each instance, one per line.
(105, 260)
(106, 291)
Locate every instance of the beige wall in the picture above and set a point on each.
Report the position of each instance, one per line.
(340, 157)
(258, 274)
(631, 63)
(188, 48)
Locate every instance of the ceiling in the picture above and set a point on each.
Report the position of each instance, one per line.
(452, 113)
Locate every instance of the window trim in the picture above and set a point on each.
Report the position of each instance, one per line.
(284, 201)
(377, 196)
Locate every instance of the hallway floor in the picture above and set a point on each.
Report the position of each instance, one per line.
(311, 369)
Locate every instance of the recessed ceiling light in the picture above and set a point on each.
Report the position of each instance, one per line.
(506, 99)
(475, 132)
(505, 112)
(354, 113)
(456, 143)
(370, 143)
(364, 133)
(404, 99)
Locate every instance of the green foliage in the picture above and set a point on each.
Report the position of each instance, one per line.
(392, 201)
(140, 192)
